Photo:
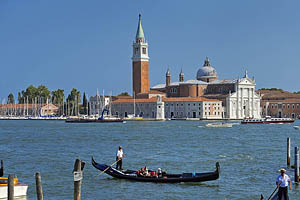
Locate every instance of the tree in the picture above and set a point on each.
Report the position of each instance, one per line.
(10, 99)
(124, 94)
(73, 102)
(57, 96)
(20, 98)
(43, 92)
(84, 103)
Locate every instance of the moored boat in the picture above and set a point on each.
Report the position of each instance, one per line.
(20, 189)
(165, 178)
(83, 120)
(218, 125)
(267, 120)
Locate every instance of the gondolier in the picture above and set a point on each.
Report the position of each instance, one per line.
(120, 155)
(283, 181)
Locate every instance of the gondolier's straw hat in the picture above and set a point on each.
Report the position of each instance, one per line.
(282, 170)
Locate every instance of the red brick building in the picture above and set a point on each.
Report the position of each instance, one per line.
(280, 104)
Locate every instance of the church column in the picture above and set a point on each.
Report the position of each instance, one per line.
(248, 110)
(253, 93)
(237, 100)
(242, 103)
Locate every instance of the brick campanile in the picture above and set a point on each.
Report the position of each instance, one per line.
(140, 62)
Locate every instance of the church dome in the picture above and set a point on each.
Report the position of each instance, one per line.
(207, 71)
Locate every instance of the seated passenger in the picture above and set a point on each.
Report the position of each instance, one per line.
(159, 173)
(146, 173)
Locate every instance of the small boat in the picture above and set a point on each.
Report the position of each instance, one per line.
(20, 189)
(82, 120)
(101, 119)
(297, 127)
(275, 197)
(218, 125)
(267, 120)
(166, 178)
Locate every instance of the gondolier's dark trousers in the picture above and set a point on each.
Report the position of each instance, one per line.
(284, 191)
(119, 164)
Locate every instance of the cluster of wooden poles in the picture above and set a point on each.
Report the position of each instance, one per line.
(296, 161)
(77, 171)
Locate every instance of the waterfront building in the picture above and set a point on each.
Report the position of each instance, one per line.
(278, 103)
(160, 108)
(206, 97)
(238, 96)
(34, 110)
(97, 103)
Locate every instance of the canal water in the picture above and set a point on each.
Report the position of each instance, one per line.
(249, 155)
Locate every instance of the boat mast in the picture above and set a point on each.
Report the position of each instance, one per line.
(133, 104)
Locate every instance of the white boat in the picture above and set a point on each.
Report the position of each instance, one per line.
(218, 125)
(297, 127)
(20, 189)
(267, 120)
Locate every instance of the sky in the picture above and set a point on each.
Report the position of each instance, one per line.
(87, 45)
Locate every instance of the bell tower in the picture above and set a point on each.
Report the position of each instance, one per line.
(140, 62)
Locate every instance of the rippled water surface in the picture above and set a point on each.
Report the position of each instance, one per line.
(249, 155)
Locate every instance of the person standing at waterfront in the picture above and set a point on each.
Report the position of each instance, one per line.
(120, 155)
(282, 182)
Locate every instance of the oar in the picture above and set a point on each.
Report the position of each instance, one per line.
(108, 167)
(274, 191)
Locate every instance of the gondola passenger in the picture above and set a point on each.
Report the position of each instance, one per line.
(159, 173)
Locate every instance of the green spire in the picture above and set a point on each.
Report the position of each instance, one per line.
(140, 32)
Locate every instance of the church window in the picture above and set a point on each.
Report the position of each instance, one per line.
(293, 106)
(136, 50)
(288, 106)
(297, 105)
(144, 50)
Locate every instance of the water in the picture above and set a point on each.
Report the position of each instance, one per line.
(249, 155)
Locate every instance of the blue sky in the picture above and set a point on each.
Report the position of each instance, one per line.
(88, 44)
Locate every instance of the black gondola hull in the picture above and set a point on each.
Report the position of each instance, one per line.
(169, 178)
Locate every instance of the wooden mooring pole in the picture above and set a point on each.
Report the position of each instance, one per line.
(77, 179)
(288, 155)
(10, 188)
(38, 182)
(2, 169)
(296, 164)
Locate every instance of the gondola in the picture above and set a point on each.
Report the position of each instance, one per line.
(166, 178)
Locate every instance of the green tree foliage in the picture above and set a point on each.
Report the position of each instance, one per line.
(73, 101)
(85, 104)
(58, 96)
(33, 94)
(10, 99)
(20, 98)
(124, 94)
